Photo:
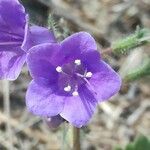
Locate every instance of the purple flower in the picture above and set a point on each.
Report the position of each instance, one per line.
(69, 79)
(16, 38)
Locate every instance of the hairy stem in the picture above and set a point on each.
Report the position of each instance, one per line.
(139, 38)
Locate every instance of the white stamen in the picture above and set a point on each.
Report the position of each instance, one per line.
(75, 93)
(67, 88)
(88, 74)
(58, 69)
(77, 62)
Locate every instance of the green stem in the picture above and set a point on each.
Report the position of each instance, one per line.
(139, 38)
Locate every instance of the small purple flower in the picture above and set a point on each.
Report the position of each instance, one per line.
(69, 79)
(16, 38)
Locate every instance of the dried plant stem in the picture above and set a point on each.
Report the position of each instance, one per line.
(76, 139)
(7, 111)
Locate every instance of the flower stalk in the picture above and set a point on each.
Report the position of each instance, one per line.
(70, 137)
(76, 139)
(6, 99)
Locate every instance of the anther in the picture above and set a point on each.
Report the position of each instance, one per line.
(58, 69)
(77, 62)
(88, 74)
(75, 93)
(67, 88)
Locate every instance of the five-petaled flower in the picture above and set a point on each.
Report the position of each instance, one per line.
(16, 38)
(69, 79)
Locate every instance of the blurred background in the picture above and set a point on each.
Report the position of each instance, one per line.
(116, 122)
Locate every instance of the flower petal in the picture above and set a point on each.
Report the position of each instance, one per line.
(79, 109)
(12, 24)
(90, 59)
(77, 44)
(41, 100)
(105, 81)
(11, 63)
(42, 61)
(37, 35)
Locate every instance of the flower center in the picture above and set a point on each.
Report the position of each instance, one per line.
(71, 76)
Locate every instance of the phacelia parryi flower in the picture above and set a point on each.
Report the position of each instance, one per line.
(69, 79)
(16, 38)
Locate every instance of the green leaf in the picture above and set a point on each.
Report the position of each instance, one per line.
(117, 148)
(130, 146)
(141, 143)
(142, 71)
